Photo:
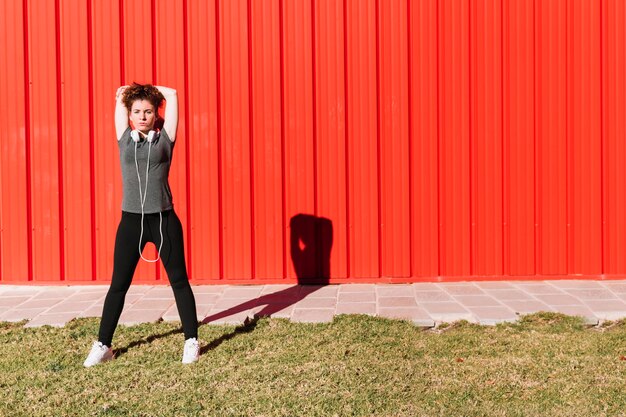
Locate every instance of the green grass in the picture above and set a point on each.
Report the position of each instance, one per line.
(544, 365)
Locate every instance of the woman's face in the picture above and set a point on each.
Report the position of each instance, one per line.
(143, 115)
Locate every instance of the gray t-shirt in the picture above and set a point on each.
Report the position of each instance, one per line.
(158, 196)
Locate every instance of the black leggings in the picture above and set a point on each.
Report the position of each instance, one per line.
(125, 260)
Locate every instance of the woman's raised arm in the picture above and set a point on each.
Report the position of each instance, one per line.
(170, 122)
(121, 112)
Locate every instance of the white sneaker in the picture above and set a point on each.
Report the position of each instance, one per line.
(99, 353)
(191, 352)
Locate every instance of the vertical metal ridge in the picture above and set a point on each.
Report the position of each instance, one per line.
(502, 147)
(219, 136)
(153, 30)
(4, 15)
(27, 139)
(282, 135)
(535, 147)
(568, 147)
(1, 234)
(602, 191)
(410, 136)
(438, 150)
(502, 150)
(122, 48)
(346, 134)
(314, 138)
(1, 244)
(471, 147)
(57, 43)
(92, 184)
(251, 144)
(188, 240)
(378, 144)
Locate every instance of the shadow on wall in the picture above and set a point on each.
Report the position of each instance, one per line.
(310, 242)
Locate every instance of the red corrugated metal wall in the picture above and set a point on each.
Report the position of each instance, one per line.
(341, 140)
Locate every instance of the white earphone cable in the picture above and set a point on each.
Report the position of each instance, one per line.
(142, 198)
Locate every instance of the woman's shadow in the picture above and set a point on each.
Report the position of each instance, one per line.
(310, 242)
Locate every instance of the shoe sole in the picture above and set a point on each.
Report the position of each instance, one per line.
(98, 363)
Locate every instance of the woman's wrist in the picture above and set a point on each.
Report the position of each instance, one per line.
(166, 91)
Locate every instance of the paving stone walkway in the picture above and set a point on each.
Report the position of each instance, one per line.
(425, 304)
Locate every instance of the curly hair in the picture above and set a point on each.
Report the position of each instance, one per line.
(142, 92)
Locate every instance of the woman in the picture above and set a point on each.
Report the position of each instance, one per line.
(147, 211)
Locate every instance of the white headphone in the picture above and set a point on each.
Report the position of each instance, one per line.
(152, 135)
(136, 135)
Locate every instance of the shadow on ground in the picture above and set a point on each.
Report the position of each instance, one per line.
(310, 243)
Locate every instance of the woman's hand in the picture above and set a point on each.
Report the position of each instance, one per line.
(120, 92)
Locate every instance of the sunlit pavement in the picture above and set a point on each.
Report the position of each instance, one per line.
(425, 304)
